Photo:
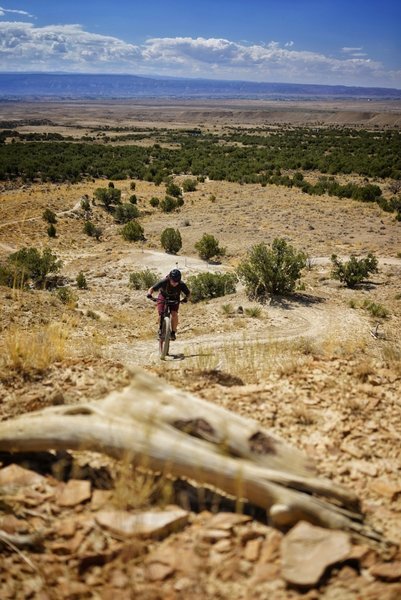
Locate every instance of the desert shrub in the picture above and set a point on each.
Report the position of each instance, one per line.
(108, 196)
(208, 248)
(51, 231)
(132, 185)
(92, 314)
(49, 216)
(171, 240)
(91, 230)
(375, 309)
(7, 276)
(272, 270)
(169, 204)
(174, 190)
(154, 202)
(133, 199)
(31, 264)
(354, 270)
(189, 185)
(66, 295)
(227, 309)
(81, 281)
(211, 285)
(367, 193)
(125, 212)
(142, 280)
(254, 312)
(85, 204)
(132, 232)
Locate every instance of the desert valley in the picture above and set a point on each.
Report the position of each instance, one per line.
(319, 367)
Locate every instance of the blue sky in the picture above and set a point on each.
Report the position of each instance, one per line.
(349, 42)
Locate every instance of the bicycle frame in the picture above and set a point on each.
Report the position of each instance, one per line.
(165, 327)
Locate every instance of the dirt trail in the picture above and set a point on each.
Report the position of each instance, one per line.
(307, 317)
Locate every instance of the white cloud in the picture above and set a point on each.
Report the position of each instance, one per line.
(350, 50)
(24, 47)
(3, 12)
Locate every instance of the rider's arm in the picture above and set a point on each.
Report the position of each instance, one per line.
(155, 288)
(185, 291)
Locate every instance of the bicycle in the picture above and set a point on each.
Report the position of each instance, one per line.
(165, 326)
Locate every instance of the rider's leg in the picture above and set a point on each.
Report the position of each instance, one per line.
(174, 320)
(160, 310)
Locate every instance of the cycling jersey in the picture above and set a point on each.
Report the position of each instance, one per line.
(167, 290)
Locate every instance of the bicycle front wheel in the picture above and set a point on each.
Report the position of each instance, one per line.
(165, 337)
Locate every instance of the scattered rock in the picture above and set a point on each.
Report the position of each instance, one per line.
(386, 488)
(214, 535)
(148, 524)
(11, 524)
(100, 498)
(73, 492)
(387, 571)
(227, 521)
(252, 550)
(307, 551)
(67, 528)
(158, 571)
(57, 398)
(16, 476)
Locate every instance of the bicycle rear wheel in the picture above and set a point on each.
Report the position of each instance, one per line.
(165, 337)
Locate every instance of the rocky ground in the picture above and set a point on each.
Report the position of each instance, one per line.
(320, 370)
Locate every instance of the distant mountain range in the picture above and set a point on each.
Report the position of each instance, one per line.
(15, 86)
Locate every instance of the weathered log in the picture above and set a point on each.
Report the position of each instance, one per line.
(171, 431)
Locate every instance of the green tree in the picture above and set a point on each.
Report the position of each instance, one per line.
(142, 280)
(272, 270)
(49, 216)
(81, 281)
(91, 230)
(125, 212)
(353, 271)
(133, 232)
(211, 285)
(208, 248)
(174, 190)
(171, 240)
(189, 185)
(169, 204)
(108, 196)
(30, 264)
(51, 231)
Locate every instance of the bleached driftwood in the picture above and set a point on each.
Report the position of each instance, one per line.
(172, 431)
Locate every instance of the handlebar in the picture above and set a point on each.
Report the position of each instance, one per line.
(168, 300)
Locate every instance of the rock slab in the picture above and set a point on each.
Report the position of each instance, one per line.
(307, 551)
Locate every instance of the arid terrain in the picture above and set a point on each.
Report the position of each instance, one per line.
(321, 369)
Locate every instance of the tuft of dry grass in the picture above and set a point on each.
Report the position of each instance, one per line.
(139, 488)
(363, 370)
(302, 414)
(32, 351)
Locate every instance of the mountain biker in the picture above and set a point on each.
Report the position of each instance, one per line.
(171, 287)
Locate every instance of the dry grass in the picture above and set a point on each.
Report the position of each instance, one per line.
(302, 414)
(139, 488)
(32, 351)
(251, 359)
